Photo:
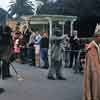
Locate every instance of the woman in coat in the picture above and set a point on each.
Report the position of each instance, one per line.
(92, 69)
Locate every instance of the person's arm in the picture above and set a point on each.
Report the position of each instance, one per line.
(31, 40)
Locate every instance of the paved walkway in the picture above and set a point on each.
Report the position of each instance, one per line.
(35, 86)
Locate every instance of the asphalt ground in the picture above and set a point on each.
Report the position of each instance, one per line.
(36, 86)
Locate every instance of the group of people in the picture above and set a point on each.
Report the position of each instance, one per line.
(74, 52)
(23, 46)
(32, 46)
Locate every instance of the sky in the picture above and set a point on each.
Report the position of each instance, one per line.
(4, 4)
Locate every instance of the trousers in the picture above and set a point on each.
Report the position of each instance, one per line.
(55, 68)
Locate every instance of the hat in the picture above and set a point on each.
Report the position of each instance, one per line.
(97, 30)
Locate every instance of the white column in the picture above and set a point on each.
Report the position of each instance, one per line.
(71, 28)
(71, 25)
(43, 28)
(50, 36)
(63, 28)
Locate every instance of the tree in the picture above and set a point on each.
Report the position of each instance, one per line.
(51, 7)
(36, 4)
(20, 7)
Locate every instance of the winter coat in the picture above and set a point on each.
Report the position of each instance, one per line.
(92, 74)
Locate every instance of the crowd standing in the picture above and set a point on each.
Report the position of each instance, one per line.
(31, 46)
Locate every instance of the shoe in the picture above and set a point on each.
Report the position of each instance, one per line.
(51, 78)
(45, 67)
(22, 62)
(69, 66)
(66, 67)
(61, 78)
(75, 71)
(2, 90)
(31, 64)
(9, 76)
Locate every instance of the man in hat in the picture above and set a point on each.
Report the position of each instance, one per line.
(57, 54)
(92, 69)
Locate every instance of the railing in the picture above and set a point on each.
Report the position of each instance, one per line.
(80, 57)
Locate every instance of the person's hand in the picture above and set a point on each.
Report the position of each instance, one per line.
(63, 37)
(22, 46)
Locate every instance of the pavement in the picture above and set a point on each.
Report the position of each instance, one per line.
(36, 86)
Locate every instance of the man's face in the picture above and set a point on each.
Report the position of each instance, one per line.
(37, 32)
(75, 33)
(45, 35)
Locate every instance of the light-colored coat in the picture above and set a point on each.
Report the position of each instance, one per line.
(92, 74)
